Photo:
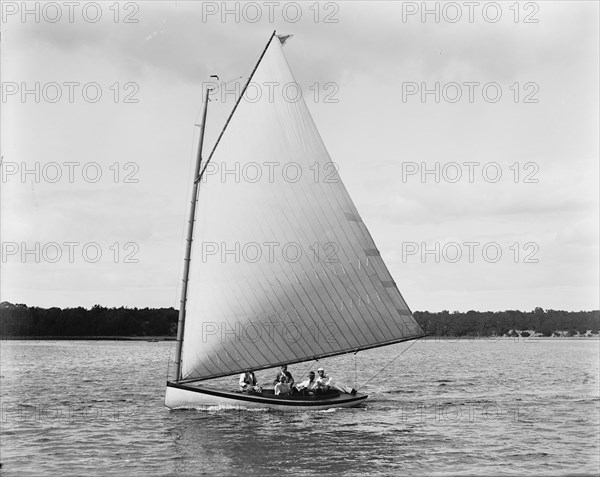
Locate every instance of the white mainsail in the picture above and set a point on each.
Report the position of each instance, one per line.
(283, 268)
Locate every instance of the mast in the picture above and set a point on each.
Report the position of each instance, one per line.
(188, 247)
(197, 178)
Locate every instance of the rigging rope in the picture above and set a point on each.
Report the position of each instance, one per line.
(355, 369)
(306, 370)
(401, 353)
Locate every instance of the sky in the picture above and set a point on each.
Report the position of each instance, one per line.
(467, 137)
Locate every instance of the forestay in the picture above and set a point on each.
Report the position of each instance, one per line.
(283, 268)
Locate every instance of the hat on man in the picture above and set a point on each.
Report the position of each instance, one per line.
(320, 369)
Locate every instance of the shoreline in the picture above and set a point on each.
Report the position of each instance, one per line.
(89, 338)
(174, 338)
(515, 338)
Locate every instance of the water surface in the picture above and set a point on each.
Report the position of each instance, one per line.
(480, 407)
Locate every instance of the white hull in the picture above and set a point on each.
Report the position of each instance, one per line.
(195, 397)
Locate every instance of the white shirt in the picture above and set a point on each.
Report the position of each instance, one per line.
(243, 382)
(308, 384)
(325, 380)
(282, 388)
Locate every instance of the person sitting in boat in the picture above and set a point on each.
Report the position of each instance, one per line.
(284, 372)
(326, 385)
(283, 386)
(324, 381)
(308, 386)
(249, 383)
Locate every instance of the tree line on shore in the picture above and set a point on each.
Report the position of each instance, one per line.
(500, 323)
(23, 321)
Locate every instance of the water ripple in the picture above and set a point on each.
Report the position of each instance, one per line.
(469, 408)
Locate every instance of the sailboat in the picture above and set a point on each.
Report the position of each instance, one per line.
(284, 270)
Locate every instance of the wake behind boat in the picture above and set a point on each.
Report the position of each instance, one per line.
(310, 282)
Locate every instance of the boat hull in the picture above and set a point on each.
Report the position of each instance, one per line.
(186, 396)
